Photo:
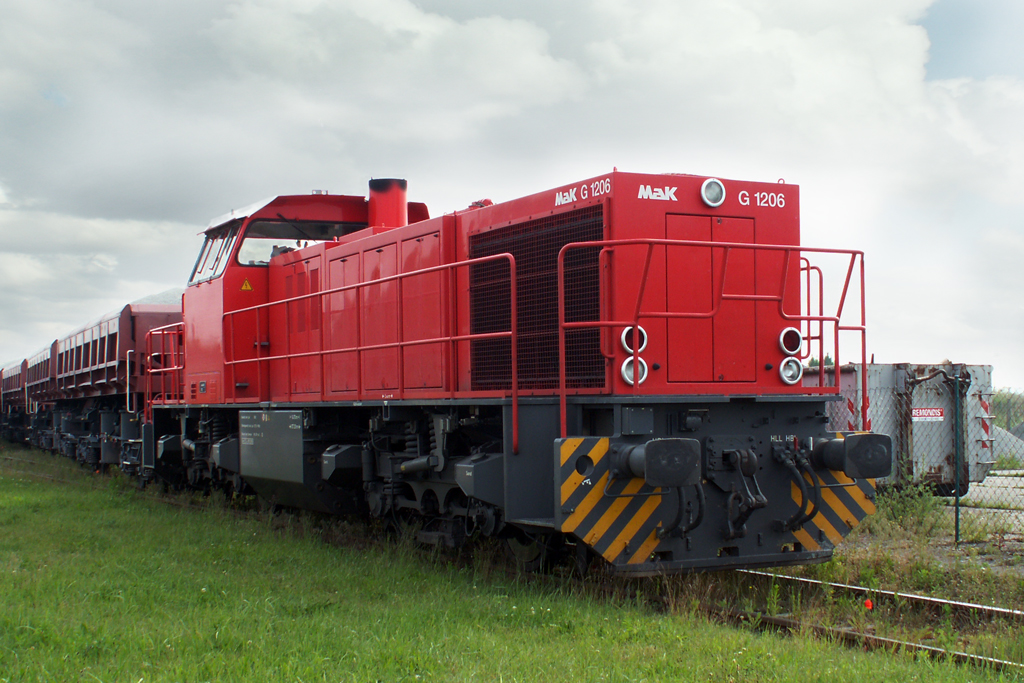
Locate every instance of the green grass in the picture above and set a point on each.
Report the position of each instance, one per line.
(105, 584)
(908, 512)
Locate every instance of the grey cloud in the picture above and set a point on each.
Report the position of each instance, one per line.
(57, 272)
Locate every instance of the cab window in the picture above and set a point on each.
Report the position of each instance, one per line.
(266, 239)
(216, 252)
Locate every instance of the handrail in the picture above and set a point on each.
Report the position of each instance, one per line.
(720, 295)
(447, 321)
(806, 267)
(172, 346)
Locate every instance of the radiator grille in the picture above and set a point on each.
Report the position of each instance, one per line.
(535, 246)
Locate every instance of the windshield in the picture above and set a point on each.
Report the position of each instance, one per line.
(215, 253)
(266, 239)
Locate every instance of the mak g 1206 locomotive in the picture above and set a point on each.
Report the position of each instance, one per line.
(613, 365)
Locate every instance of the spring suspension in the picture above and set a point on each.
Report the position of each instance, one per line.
(412, 439)
(218, 426)
(420, 461)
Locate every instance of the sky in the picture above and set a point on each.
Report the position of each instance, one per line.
(126, 126)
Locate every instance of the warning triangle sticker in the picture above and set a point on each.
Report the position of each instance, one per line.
(246, 287)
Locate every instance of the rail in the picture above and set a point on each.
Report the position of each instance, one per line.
(887, 601)
(720, 295)
(448, 323)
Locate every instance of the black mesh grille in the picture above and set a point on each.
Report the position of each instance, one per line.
(535, 246)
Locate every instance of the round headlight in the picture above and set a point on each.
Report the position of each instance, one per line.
(712, 192)
(791, 370)
(791, 341)
(627, 371)
(627, 339)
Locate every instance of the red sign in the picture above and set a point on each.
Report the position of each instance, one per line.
(928, 414)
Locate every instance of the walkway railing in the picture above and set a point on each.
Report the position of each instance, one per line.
(720, 295)
(449, 323)
(165, 365)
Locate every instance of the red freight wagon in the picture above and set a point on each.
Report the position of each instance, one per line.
(41, 390)
(613, 364)
(101, 358)
(13, 402)
(41, 383)
(94, 382)
(84, 394)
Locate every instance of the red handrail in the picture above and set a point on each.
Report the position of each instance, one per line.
(448, 322)
(720, 295)
(808, 269)
(172, 346)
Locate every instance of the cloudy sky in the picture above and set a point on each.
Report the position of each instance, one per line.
(125, 126)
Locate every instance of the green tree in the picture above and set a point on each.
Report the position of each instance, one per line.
(1008, 408)
(815, 362)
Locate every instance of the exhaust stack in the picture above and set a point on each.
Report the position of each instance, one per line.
(388, 206)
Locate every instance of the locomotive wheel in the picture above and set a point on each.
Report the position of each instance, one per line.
(403, 525)
(535, 552)
(267, 506)
(527, 554)
(582, 557)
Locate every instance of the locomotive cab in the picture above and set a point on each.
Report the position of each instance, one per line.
(225, 338)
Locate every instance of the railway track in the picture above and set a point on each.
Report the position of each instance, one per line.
(961, 612)
(958, 610)
(859, 639)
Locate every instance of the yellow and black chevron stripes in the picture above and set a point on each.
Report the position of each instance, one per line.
(844, 503)
(615, 517)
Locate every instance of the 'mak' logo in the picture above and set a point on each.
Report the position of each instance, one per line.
(666, 194)
(567, 197)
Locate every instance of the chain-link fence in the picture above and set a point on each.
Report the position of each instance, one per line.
(951, 433)
(999, 498)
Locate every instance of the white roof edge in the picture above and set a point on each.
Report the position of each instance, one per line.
(244, 212)
(168, 297)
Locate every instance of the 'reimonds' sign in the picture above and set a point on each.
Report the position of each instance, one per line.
(928, 414)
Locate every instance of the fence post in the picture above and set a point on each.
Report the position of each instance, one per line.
(957, 456)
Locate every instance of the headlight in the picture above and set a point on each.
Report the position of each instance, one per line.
(627, 371)
(791, 341)
(627, 339)
(712, 192)
(791, 370)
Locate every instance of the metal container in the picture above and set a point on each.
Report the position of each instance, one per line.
(919, 407)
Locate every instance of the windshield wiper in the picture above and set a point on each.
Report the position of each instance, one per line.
(297, 227)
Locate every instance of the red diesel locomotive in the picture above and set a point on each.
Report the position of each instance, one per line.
(612, 366)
